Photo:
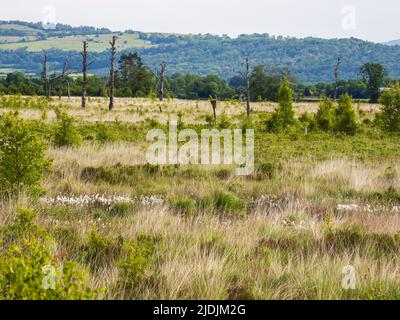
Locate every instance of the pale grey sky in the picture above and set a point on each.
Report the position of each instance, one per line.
(366, 19)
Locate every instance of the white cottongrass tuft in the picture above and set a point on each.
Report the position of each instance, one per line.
(367, 208)
(101, 200)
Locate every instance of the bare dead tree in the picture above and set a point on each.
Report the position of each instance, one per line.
(214, 106)
(112, 72)
(246, 75)
(161, 76)
(337, 67)
(84, 73)
(49, 88)
(44, 77)
(63, 80)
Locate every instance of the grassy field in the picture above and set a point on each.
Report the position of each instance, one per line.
(316, 203)
(98, 43)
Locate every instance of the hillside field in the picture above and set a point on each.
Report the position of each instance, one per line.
(97, 43)
(316, 203)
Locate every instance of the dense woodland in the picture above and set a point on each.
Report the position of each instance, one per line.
(309, 59)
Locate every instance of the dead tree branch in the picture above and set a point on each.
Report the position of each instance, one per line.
(84, 73)
(112, 72)
(337, 67)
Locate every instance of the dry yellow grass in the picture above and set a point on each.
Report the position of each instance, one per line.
(133, 110)
(290, 244)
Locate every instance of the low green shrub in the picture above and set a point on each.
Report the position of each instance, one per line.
(138, 260)
(66, 134)
(267, 170)
(100, 251)
(346, 117)
(30, 271)
(22, 155)
(284, 115)
(121, 209)
(325, 117)
(226, 202)
(183, 205)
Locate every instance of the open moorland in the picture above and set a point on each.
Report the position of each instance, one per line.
(316, 203)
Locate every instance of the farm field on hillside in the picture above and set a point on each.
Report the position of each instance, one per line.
(315, 204)
(98, 43)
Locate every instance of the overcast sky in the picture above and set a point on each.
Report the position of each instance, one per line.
(366, 19)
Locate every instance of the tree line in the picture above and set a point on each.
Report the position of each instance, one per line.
(130, 77)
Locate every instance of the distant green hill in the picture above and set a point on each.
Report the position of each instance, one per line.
(393, 43)
(309, 59)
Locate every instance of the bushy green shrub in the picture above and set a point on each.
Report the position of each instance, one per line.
(66, 133)
(22, 155)
(307, 120)
(209, 120)
(104, 133)
(28, 272)
(284, 115)
(183, 205)
(139, 258)
(346, 118)
(389, 117)
(325, 116)
(100, 251)
(224, 122)
(28, 269)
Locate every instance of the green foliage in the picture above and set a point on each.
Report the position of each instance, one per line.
(284, 115)
(23, 227)
(226, 202)
(104, 133)
(28, 272)
(121, 209)
(346, 118)
(224, 122)
(183, 205)
(325, 116)
(206, 204)
(389, 118)
(373, 75)
(307, 121)
(308, 58)
(100, 251)
(22, 155)
(264, 84)
(267, 170)
(134, 78)
(28, 269)
(139, 258)
(66, 133)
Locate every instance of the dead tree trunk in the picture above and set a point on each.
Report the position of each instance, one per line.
(112, 72)
(248, 108)
(45, 79)
(63, 78)
(246, 75)
(161, 75)
(214, 106)
(335, 89)
(68, 90)
(49, 88)
(84, 73)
